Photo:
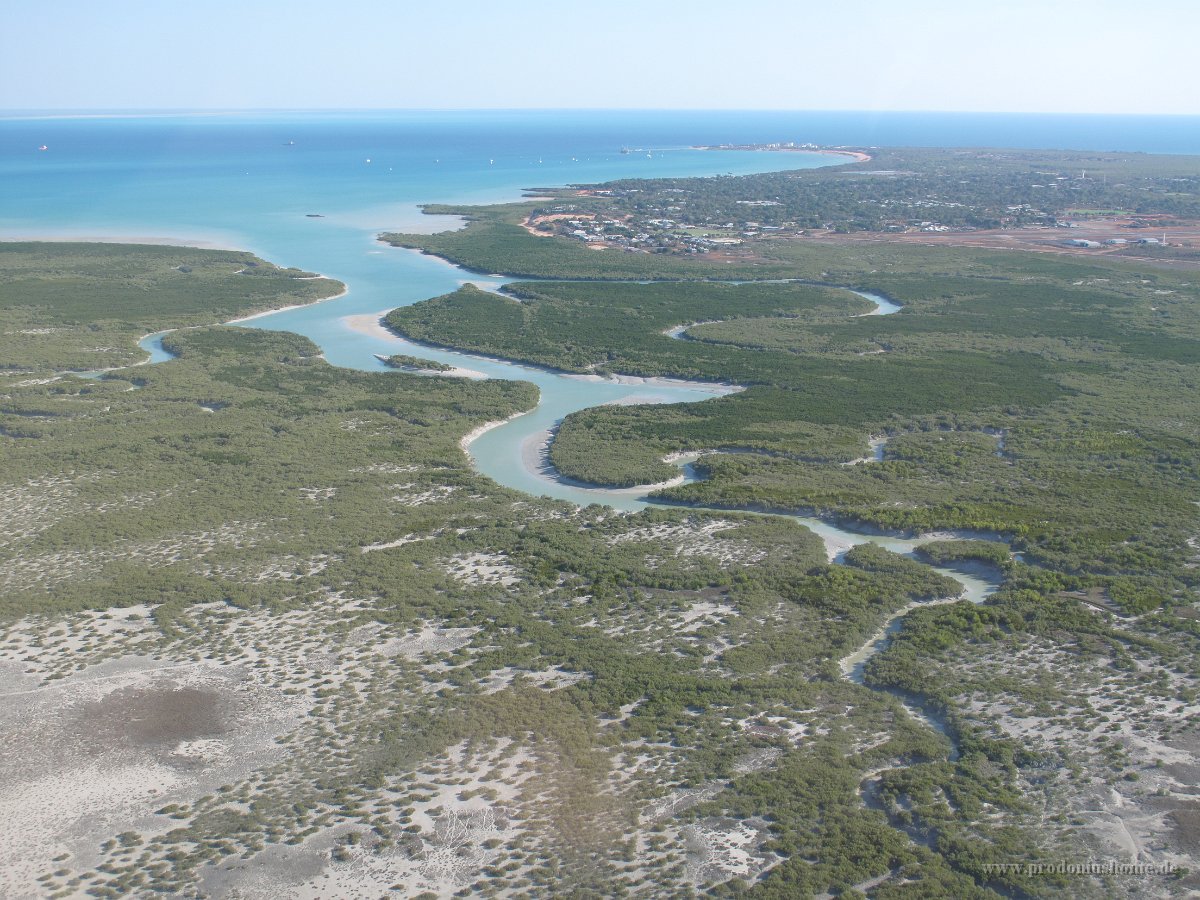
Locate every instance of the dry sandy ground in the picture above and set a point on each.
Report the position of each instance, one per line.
(106, 725)
(458, 823)
(693, 538)
(109, 728)
(97, 752)
(718, 389)
(1131, 726)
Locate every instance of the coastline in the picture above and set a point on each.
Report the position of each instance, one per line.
(856, 155)
(270, 312)
(472, 562)
(160, 241)
(479, 431)
(144, 240)
(535, 460)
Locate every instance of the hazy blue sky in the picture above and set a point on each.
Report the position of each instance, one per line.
(1002, 55)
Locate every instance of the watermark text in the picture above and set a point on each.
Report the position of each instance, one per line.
(1082, 868)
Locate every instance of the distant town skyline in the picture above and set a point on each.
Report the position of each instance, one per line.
(1053, 56)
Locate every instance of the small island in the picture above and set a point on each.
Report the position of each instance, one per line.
(408, 363)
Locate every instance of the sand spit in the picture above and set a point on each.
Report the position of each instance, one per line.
(84, 238)
(856, 155)
(281, 309)
(475, 433)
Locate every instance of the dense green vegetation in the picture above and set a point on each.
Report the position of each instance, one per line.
(231, 433)
(82, 306)
(945, 553)
(404, 361)
(598, 327)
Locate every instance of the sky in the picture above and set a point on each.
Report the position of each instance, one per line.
(1098, 56)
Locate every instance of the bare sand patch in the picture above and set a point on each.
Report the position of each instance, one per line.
(721, 848)
(1131, 731)
(696, 539)
(482, 569)
(455, 815)
(431, 640)
(398, 542)
(109, 746)
(410, 493)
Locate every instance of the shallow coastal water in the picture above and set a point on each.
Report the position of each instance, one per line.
(153, 344)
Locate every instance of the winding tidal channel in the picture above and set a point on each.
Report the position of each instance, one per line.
(349, 331)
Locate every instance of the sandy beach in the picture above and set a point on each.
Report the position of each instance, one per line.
(535, 459)
(156, 240)
(856, 155)
(475, 433)
(271, 312)
(712, 387)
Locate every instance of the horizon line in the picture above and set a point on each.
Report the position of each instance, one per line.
(48, 112)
